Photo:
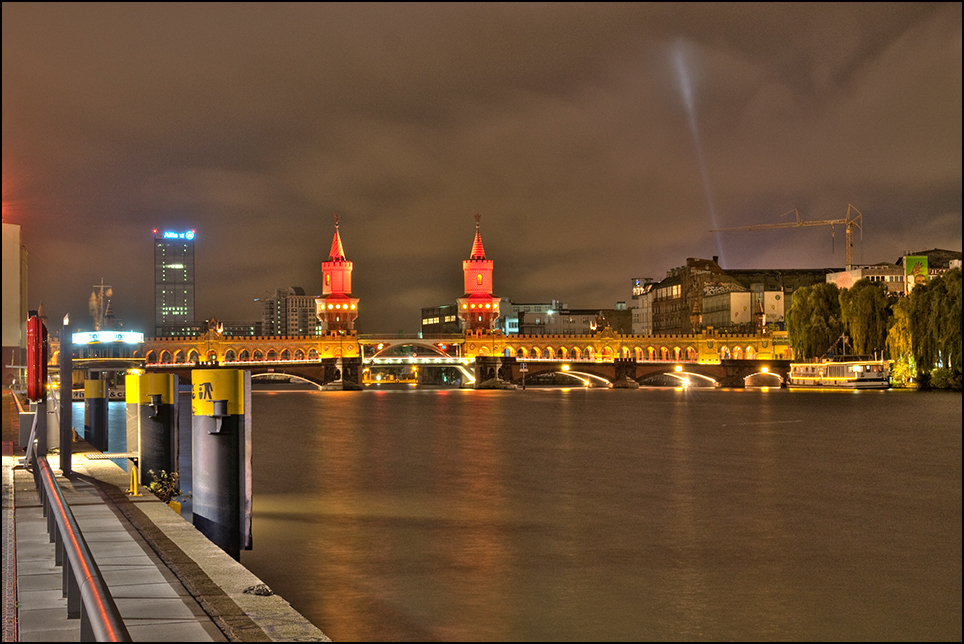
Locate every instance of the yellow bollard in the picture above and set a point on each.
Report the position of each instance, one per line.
(134, 491)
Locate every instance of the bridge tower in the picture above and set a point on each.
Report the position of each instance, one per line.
(337, 310)
(478, 308)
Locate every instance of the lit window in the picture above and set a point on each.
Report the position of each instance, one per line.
(478, 279)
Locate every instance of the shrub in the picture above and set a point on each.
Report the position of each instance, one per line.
(164, 486)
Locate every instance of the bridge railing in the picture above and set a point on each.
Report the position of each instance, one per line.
(442, 337)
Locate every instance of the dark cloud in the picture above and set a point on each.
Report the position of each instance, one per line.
(599, 142)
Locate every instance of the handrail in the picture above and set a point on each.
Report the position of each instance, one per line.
(87, 594)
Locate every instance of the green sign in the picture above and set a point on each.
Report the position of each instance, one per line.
(915, 271)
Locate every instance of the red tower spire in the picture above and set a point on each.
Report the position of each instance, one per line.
(478, 308)
(337, 310)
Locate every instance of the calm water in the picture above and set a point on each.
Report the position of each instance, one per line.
(552, 514)
(555, 514)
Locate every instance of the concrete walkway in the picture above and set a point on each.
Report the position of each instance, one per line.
(169, 582)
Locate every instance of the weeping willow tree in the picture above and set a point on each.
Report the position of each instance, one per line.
(814, 322)
(935, 330)
(900, 348)
(866, 311)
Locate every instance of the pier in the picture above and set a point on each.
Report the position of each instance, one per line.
(168, 581)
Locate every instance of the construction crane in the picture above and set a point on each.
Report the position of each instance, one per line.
(847, 221)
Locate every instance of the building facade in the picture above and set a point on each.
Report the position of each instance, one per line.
(289, 312)
(687, 301)
(14, 303)
(174, 284)
(642, 309)
(442, 319)
(891, 275)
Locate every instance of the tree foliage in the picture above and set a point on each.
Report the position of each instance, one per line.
(814, 322)
(935, 324)
(866, 310)
(921, 332)
(899, 343)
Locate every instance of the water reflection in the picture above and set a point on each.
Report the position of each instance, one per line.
(560, 514)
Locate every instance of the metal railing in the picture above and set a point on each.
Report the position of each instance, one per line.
(88, 597)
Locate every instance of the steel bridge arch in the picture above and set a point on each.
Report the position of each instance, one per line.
(424, 344)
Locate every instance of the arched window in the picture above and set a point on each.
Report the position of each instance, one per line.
(193, 356)
(230, 355)
(313, 354)
(258, 356)
(244, 356)
(286, 355)
(750, 353)
(691, 354)
(299, 355)
(478, 279)
(166, 357)
(271, 356)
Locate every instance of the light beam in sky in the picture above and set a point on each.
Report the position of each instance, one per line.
(687, 90)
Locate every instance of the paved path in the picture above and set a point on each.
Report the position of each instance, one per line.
(170, 583)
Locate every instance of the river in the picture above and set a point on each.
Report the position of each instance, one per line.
(591, 514)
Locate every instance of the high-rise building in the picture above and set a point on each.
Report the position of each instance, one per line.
(174, 284)
(289, 312)
(14, 303)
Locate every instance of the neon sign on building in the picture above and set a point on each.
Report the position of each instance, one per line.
(169, 234)
(128, 337)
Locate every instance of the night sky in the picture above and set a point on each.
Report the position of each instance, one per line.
(599, 142)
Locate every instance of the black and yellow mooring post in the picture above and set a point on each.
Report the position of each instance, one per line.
(95, 413)
(152, 422)
(221, 457)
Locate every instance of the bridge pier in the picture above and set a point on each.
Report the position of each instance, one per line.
(342, 373)
(625, 373)
(491, 372)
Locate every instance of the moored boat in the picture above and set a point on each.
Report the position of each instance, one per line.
(849, 372)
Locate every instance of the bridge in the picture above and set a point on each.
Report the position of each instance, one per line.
(600, 358)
